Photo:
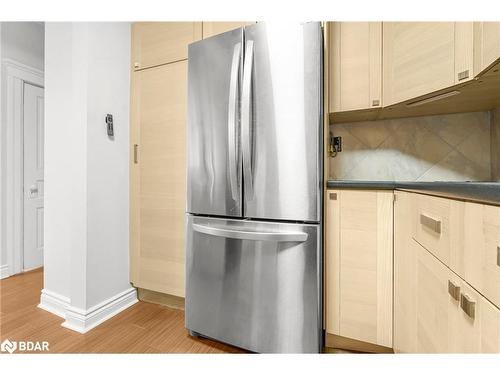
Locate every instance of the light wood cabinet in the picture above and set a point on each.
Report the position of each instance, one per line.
(423, 57)
(214, 28)
(438, 224)
(444, 289)
(486, 44)
(432, 303)
(157, 43)
(359, 265)
(462, 323)
(405, 275)
(158, 187)
(355, 66)
(480, 259)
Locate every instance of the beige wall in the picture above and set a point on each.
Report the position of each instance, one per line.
(495, 144)
(452, 147)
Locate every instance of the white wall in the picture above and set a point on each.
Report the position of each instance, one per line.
(87, 178)
(108, 161)
(22, 42)
(65, 159)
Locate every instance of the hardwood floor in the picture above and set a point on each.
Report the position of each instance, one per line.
(142, 328)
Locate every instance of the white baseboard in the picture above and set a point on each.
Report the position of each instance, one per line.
(54, 303)
(82, 321)
(4, 271)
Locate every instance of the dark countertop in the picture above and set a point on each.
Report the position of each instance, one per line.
(484, 192)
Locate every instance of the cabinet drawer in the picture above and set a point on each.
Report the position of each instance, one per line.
(437, 223)
(481, 255)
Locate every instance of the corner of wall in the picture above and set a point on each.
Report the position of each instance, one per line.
(495, 144)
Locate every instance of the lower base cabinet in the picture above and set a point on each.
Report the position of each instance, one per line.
(435, 310)
(358, 259)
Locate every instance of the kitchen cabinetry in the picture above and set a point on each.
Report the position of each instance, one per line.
(419, 58)
(355, 66)
(405, 275)
(486, 44)
(359, 265)
(158, 166)
(214, 28)
(157, 43)
(427, 68)
(445, 285)
(480, 260)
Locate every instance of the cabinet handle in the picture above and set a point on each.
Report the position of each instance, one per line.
(429, 222)
(468, 305)
(454, 290)
(463, 75)
(498, 256)
(333, 196)
(135, 153)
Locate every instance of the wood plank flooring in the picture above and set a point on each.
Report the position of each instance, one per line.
(142, 328)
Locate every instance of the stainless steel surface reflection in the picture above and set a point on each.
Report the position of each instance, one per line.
(261, 295)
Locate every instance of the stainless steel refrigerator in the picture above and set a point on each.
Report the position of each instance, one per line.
(254, 183)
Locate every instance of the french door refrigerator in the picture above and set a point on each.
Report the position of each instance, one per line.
(254, 182)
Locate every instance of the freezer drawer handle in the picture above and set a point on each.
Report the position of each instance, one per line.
(250, 235)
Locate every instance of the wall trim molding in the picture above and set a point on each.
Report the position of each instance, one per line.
(82, 321)
(4, 271)
(54, 303)
(16, 74)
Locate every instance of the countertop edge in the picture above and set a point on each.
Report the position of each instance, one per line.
(480, 192)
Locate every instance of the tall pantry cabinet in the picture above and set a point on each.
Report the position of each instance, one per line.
(158, 151)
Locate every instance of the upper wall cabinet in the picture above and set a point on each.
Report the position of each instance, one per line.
(157, 43)
(423, 57)
(486, 44)
(355, 66)
(214, 28)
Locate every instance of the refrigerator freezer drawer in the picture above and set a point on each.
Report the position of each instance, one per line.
(254, 285)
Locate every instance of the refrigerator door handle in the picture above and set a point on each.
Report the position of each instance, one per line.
(251, 235)
(246, 119)
(232, 121)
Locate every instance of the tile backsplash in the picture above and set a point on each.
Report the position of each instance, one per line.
(495, 145)
(455, 147)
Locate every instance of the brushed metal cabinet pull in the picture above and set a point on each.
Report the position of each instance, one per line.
(454, 290)
(498, 256)
(135, 153)
(468, 305)
(431, 223)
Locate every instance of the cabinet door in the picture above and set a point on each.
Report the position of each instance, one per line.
(157, 43)
(486, 44)
(481, 254)
(158, 193)
(359, 290)
(355, 66)
(405, 276)
(490, 327)
(214, 28)
(419, 58)
(432, 303)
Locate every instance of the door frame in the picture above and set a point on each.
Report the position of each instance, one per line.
(16, 75)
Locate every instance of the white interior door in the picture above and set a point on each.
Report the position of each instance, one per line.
(33, 176)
